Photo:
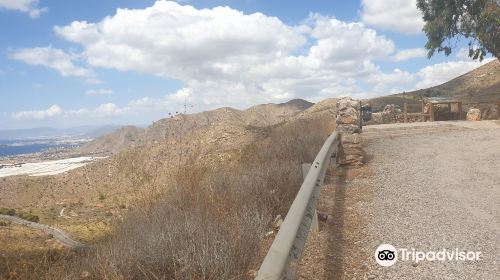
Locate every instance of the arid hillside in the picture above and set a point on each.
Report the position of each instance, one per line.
(479, 85)
(147, 158)
(222, 169)
(226, 120)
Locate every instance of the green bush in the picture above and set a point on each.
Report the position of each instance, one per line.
(8, 211)
(29, 217)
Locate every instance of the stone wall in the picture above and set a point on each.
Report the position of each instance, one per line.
(351, 151)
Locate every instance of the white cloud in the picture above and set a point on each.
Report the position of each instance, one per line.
(395, 15)
(410, 54)
(101, 91)
(26, 6)
(159, 38)
(341, 41)
(55, 59)
(227, 58)
(108, 110)
(437, 74)
(396, 81)
(53, 111)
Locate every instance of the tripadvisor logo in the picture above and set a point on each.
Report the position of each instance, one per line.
(388, 255)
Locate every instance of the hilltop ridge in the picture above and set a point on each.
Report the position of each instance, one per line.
(479, 85)
(178, 126)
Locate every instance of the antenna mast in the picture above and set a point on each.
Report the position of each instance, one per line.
(185, 105)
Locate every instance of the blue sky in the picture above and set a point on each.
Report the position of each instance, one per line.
(80, 62)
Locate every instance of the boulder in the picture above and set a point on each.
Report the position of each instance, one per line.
(348, 116)
(473, 114)
(389, 109)
(346, 103)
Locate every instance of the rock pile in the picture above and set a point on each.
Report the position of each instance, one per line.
(351, 152)
(390, 114)
(473, 114)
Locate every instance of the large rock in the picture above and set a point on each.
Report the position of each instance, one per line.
(348, 116)
(473, 114)
(345, 103)
(389, 109)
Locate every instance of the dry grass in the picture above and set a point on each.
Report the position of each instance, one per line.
(26, 253)
(211, 222)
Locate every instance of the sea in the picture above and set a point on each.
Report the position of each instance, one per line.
(19, 147)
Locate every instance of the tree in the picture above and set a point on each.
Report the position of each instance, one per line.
(475, 20)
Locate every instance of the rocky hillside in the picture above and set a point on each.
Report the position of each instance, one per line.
(223, 120)
(479, 85)
(149, 157)
(122, 138)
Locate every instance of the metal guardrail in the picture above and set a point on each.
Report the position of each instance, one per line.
(282, 259)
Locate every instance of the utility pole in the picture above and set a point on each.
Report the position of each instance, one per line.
(185, 105)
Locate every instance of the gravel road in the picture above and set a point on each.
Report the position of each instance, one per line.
(58, 234)
(436, 191)
(428, 192)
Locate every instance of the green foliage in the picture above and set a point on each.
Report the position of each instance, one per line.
(475, 20)
(29, 217)
(102, 197)
(7, 211)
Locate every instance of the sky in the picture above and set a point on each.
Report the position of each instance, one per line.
(90, 62)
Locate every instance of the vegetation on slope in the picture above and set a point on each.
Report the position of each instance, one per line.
(209, 219)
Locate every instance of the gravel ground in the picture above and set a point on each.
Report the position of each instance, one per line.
(426, 191)
(432, 192)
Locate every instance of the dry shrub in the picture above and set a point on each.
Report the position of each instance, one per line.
(212, 221)
(31, 265)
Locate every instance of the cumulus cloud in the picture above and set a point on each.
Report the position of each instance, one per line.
(226, 57)
(101, 91)
(407, 54)
(159, 38)
(437, 74)
(395, 15)
(53, 111)
(55, 59)
(395, 81)
(141, 106)
(26, 6)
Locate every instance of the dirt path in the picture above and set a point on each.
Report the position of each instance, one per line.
(58, 234)
(428, 191)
